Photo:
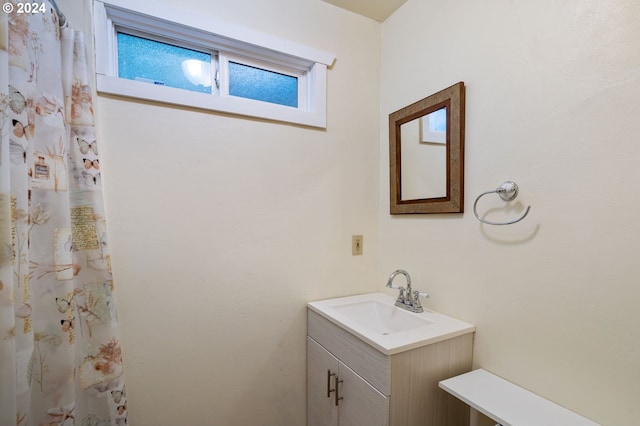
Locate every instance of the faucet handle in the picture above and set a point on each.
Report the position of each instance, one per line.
(417, 306)
(417, 294)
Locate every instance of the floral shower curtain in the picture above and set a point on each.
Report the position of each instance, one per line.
(60, 357)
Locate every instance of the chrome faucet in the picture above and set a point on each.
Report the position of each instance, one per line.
(409, 301)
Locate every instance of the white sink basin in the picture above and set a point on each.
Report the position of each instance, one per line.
(380, 317)
(374, 318)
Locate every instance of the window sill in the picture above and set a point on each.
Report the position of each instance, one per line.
(226, 104)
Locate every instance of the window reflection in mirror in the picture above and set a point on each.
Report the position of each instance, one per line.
(433, 127)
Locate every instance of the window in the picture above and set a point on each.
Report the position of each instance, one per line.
(163, 64)
(262, 85)
(165, 54)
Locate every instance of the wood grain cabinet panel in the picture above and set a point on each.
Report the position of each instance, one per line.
(359, 404)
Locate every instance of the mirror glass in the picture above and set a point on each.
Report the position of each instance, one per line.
(424, 156)
(426, 146)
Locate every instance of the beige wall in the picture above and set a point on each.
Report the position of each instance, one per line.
(222, 228)
(553, 96)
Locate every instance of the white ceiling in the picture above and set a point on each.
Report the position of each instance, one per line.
(374, 9)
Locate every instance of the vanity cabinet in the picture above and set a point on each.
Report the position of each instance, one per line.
(350, 383)
(346, 398)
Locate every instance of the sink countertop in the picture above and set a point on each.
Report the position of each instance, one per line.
(427, 327)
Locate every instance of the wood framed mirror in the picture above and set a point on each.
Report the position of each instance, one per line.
(426, 154)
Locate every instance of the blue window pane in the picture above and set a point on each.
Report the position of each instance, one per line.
(262, 85)
(163, 64)
(438, 120)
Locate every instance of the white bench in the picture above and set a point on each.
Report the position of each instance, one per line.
(509, 404)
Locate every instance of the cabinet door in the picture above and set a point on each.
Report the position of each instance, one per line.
(361, 403)
(321, 410)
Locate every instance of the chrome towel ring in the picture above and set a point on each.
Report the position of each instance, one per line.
(508, 191)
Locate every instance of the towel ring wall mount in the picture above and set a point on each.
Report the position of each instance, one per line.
(508, 191)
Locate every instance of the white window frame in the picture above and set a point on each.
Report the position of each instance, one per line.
(228, 42)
